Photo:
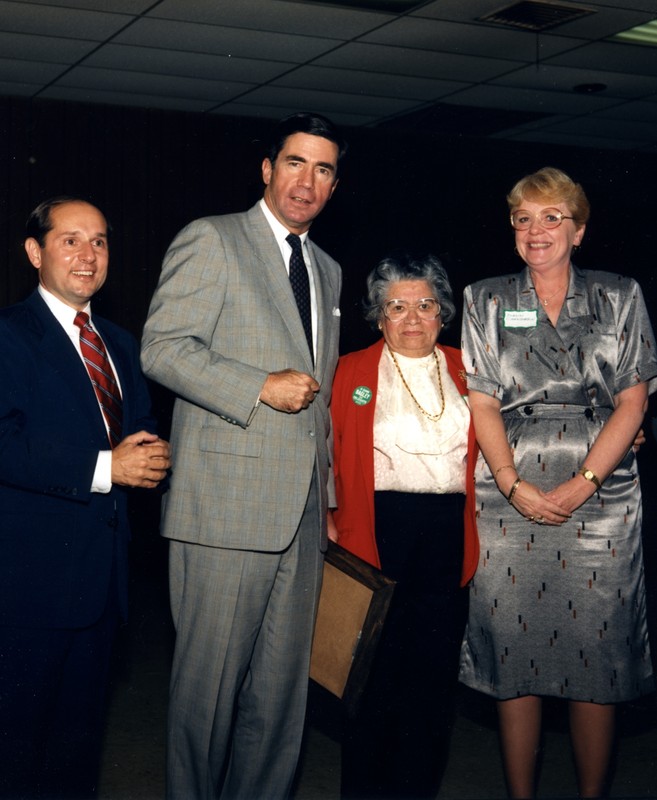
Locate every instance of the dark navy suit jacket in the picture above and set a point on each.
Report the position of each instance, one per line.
(60, 544)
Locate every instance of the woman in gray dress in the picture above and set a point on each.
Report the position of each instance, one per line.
(560, 363)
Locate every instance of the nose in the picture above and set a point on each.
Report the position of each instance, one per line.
(307, 176)
(536, 226)
(87, 252)
(412, 316)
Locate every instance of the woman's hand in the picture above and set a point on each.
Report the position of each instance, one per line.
(572, 493)
(537, 506)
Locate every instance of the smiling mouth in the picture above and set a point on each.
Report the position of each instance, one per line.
(86, 273)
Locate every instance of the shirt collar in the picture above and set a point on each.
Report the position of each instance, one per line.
(279, 230)
(62, 312)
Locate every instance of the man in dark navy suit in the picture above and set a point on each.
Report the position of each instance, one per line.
(63, 519)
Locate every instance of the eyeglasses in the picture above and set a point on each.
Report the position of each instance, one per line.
(547, 218)
(397, 310)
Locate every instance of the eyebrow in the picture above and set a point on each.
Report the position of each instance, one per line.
(325, 164)
(98, 235)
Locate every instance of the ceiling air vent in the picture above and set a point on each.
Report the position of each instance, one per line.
(533, 15)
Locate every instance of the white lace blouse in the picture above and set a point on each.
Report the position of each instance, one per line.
(413, 453)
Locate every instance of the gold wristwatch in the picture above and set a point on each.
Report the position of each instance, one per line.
(590, 476)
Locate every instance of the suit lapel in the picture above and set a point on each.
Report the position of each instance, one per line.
(324, 308)
(62, 363)
(266, 250)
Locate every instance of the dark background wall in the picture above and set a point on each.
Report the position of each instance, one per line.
(151, 172)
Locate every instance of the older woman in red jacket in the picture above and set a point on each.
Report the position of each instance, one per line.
(404, 463)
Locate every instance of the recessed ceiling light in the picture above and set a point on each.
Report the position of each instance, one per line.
(642, 34)
(537, 15)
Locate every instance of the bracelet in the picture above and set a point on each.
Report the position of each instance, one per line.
(516, 483)
(499, 469)
(590, 476)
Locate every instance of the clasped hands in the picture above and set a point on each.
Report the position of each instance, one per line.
(554, 507)
(141, 460)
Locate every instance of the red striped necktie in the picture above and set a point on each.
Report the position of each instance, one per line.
(102, 376)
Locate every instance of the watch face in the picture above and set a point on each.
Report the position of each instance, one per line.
(588, 474)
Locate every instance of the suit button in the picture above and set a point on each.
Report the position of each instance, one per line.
(311, 434)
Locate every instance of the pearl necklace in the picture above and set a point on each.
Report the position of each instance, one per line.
(432, 417)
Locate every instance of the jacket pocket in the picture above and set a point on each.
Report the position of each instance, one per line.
(231, 441)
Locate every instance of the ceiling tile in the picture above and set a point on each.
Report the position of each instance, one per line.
(19, 88)
(278, 112)
(331, 101)
(114, 6)
(274, 15)
(638, 111)
(527, 100)
(638, 5)
(605, 22)
(562, 79)
(34, 72)
(132, 99)
(372, 83)
(481, 40)
(24, 47)
(420, 63)
(143, 83)
(439, 67)
(223, 41)
(611, 56)
(176, 62)
(58, 21)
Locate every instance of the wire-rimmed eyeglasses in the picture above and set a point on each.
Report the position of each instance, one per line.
(522, 220)
(427, 308)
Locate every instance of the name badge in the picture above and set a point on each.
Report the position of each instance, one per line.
(520, 319)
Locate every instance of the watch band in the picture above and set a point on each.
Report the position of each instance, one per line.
(590, 476)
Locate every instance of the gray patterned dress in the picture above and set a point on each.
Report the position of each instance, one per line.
(558, 611)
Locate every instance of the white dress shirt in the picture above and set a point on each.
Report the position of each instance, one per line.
(65, 315)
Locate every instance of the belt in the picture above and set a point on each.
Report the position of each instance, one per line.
(558, 411)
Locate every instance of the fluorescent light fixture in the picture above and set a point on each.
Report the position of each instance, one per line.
(642, 34)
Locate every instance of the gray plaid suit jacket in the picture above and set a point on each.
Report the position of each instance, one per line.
(223, 316)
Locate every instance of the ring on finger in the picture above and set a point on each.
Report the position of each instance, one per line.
(540, 520)
(531, 519)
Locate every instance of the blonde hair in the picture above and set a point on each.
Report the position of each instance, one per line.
(551, 185)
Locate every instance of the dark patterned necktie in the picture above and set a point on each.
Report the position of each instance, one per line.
(102, 376)
(301, 287)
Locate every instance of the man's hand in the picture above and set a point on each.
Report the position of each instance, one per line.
(332, 528)
(289, 390)
(141, 459)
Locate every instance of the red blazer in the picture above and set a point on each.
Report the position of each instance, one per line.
(352, 409)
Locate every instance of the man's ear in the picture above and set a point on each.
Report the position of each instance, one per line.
(267, 168)
(33, 250)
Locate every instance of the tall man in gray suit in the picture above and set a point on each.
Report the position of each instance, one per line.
(246, 509)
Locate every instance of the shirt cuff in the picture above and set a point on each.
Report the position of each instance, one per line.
(102, 480)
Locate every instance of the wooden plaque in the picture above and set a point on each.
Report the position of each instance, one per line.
(352, 608)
